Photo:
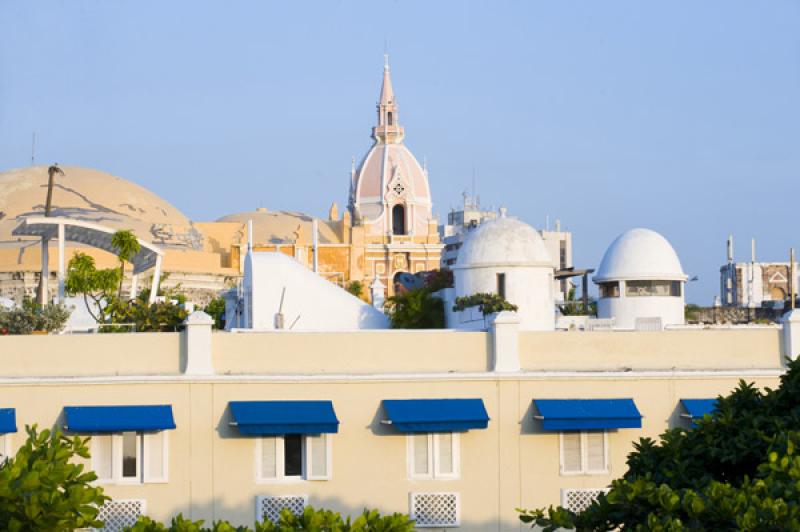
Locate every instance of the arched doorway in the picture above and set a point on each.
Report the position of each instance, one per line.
(398, 220)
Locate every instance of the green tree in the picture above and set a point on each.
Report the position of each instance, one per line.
(97, 285)
(736, 469)
(42, 489)
(355, 287)
(127, 246)
(416, 309)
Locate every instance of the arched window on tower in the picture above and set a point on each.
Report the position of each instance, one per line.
(389, 118)
(398, 220)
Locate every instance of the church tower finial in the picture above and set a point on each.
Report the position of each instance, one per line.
(387, 131)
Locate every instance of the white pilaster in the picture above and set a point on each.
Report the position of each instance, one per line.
(198, 344)
(505, 342)
(791, 334)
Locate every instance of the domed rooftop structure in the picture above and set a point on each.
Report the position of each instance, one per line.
(640, 254)
(93, 196)
(389, 191)
(503, 242)
(282, 227)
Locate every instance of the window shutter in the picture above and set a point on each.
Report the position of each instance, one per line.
(421, 455)
(317, 461)
(571, 452)
(595, 451)
(445, 454)
(155, 457)
(102, 457)
(269, 467)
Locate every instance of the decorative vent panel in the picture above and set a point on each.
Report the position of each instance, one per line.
(580, 499)
(120, 513)
(270, 508)
(435, 509)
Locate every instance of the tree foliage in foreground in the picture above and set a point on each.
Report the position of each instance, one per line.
(41, 489)
(311, 520)
(737, 469)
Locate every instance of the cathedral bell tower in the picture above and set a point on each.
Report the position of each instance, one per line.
(390, 200)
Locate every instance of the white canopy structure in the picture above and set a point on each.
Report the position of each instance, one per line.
(69, 230)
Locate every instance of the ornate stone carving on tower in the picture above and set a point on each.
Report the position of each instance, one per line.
(390, 198)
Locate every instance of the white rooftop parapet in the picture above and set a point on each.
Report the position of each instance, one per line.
(791, 334)
(505, 342)
(198, 344)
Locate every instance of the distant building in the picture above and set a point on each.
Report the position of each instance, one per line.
(461, 222)
(755, 284)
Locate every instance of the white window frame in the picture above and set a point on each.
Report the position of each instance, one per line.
(433, 457)
(142, 453)
(306, 474)
(584, 455)
(5, 441)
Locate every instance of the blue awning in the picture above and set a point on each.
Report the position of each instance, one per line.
(588, 414)
(436, 415)
(284, 417)
(8, 420)
(697, 408)
(118, 418)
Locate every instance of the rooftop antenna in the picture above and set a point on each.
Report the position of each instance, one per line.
(279, 318)
(730, 249)
(792, 279)
(33, 149)
(474, 187)
(547, 222)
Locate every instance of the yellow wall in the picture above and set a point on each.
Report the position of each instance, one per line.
(510, 464)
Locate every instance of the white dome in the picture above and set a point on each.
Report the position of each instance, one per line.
(640, 254)
(503, 242)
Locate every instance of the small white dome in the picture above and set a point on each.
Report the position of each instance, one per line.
(640, 254)
(503, 242)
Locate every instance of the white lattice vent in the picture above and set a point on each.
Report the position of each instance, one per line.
(120, 513)
(435, 509)
(578, 500)
(270, 508)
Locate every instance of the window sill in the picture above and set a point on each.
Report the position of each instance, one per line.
(289, 480)
(584, 473)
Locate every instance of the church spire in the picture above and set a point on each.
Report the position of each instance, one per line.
(387, 131)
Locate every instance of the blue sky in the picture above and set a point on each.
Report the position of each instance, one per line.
(681, 116)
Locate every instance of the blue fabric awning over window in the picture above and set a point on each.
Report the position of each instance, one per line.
(588, 414)
(8, 420)
(284, 417)
(436, 415)
(697, 408)
(118, 418)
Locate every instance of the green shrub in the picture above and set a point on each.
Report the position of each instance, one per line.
(311, 520)
(216, 309)
(29, 317)
(486, 303)
(41, 489)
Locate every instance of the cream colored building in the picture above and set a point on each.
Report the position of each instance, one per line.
(225, 393)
